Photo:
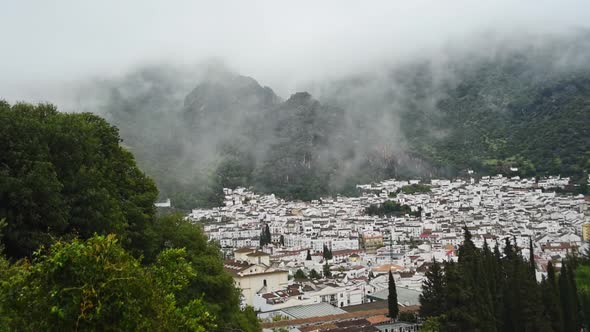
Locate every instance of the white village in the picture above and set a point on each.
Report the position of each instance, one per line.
(330, 257)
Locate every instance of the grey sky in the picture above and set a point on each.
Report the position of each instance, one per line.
(280, 43)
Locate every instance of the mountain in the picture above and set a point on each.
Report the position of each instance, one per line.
(518, 105)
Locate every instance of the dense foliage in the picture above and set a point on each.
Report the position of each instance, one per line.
(66, 174)
(95, 285)
(84, 248)
(390, 208)
(492, 291)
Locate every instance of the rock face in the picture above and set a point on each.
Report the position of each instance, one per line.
(513, 109)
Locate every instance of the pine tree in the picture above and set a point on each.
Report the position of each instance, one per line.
(432, 297)
(392, 298)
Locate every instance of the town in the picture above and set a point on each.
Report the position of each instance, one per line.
(298, 261)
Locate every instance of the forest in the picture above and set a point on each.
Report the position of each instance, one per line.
(81, 245)
(497, 290)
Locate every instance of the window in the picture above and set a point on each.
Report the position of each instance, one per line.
(264, 282)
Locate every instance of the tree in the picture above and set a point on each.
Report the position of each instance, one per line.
(532, 259)
(327, 272)
(327, 253)
(392, 304)
(313, 274)
(65, 175)
(407, 316)
(268, 235)
(308, 258)
(212, 282)
(432, 298)
(96, 285)
(265, 236)
(299, 274)
(550, 298)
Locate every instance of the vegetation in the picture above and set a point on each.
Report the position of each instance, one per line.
(393, 307)
(390, 208)
(326, 270)
(83, 246)
(299, 274)
(490, 291)
(327, 253)
(313, 274)
(518, 107)
(415, 189)
(265, 236)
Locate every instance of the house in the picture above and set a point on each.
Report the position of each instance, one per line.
(252, 274)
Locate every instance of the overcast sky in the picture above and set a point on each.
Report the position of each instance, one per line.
(280, 43)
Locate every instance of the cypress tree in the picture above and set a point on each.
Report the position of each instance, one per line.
(458, 298)
(550, 298)
(475, 282)
(567, 298)
(392, 298)
(571, 277)
(308, 258)
(532, 259)
(268, 237)
(499, 281)
(432, 297)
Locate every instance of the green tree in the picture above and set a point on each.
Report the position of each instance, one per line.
(432, 297)
(326, 270)
(313, 274)
(327, 253)
(67, 175)
(550, 297)
(299, 274)
(392, 305)
(94, 285)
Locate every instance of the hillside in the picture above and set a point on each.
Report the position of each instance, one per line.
(524, 106)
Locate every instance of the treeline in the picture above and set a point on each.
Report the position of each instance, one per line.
(490, 290)
(82, 248)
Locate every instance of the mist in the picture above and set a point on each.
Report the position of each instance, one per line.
(202, 90)
(48, 47)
